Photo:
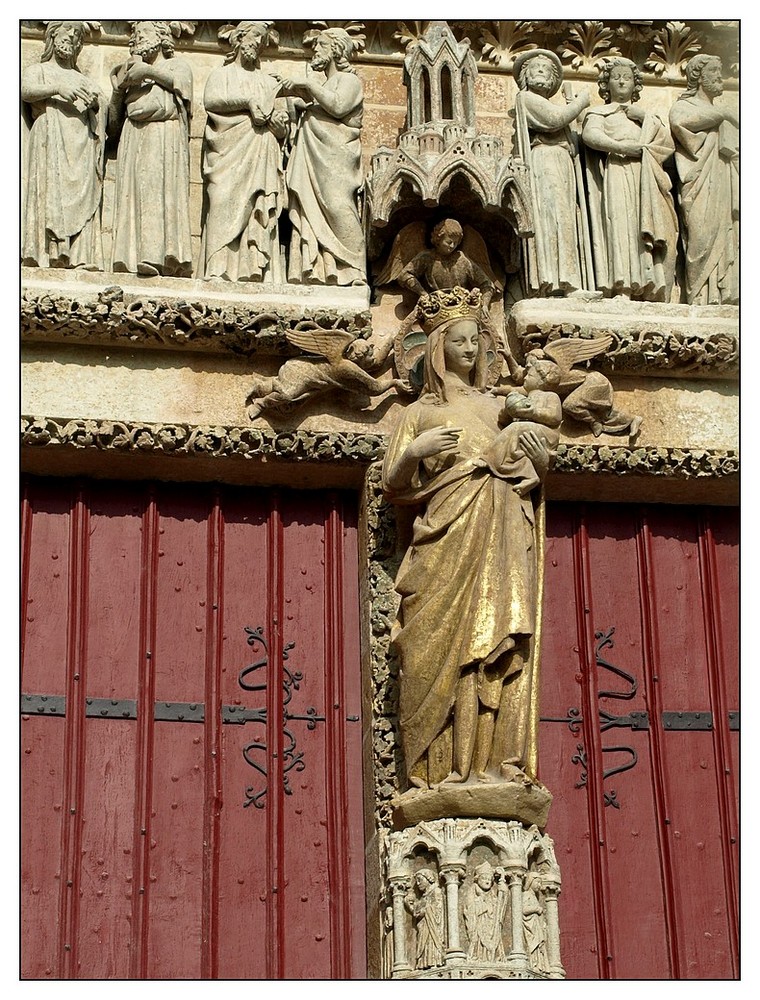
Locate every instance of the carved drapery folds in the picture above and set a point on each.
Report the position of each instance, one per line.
(471, 898)
(583, 202)
(65, 159)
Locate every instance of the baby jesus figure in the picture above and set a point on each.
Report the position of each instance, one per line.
(536, 407)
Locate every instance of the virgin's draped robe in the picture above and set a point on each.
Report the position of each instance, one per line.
(152, 218)
(323, 177)
(633, 220)
(556, 267)
(427, 911)
(708, 168)
(61, 223)
(242, 169)
(467, 584)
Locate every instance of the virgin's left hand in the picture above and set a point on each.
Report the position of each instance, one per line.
(536, 451)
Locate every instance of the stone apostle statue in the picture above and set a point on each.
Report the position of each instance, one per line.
(484, 910)
(61, 205)
(633, 217)
(324, 173)
(546, 145)
(153, 90)
(468, 583)
(707, 159)
(242, 162)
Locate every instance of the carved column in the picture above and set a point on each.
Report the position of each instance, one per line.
(518, 957)
(452, 875)
(551, 911)
(399, 888)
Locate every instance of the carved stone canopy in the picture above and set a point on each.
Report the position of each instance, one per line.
(441, 143)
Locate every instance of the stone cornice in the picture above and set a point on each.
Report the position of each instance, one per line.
(107, 316)
(331, 446)
(648, 338)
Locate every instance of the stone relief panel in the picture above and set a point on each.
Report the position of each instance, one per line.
(587, 196)
(471, 898)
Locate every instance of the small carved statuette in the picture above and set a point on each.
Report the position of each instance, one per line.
(425, 903)
(242, 161)
(485, 906)
(534, 923)
(707, 159)
(341, 363)
(64, 177)
(458, 257)
(150, 107)
(546, 145)
(633, 218)
(324, 172)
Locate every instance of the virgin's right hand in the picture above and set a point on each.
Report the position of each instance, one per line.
(436, 441)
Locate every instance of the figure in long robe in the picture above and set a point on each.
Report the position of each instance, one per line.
(484, 910)
(707, 159)
(64, 184)
(154, 89)
(468, 583)
(633, 217)
(242, 163)
(324, 172)
(426, 908)
(545, 143)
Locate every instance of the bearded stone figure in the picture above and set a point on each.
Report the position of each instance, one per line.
(242, 162)
(633, 217)
(707, 159)
(468, 583)
(152, 94)
(61, 207)
(324, 171)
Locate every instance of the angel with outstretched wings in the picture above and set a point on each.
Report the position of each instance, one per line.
(587, 396)
(338, 362)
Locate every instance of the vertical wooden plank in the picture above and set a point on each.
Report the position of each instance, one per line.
(213, 725)
(74, 741)
(113, 649)
(142, 831)
(560, 743)
(692, 836)
(634, 876)
(711, 614)
(243, 882)
(180, 753)
(276, 933)
(308, 883)
(352, 822)
(45, 590)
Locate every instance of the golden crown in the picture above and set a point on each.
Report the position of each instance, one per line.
(447, 304)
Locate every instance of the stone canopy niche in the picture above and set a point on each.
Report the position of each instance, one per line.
(441, 157)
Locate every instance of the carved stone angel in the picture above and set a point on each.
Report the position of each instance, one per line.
(341, 365)
(587, 396)
(458, 257)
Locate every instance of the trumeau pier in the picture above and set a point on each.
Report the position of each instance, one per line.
(461, 298)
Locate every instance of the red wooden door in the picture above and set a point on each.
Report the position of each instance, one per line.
(176, 824)
(639, 742)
